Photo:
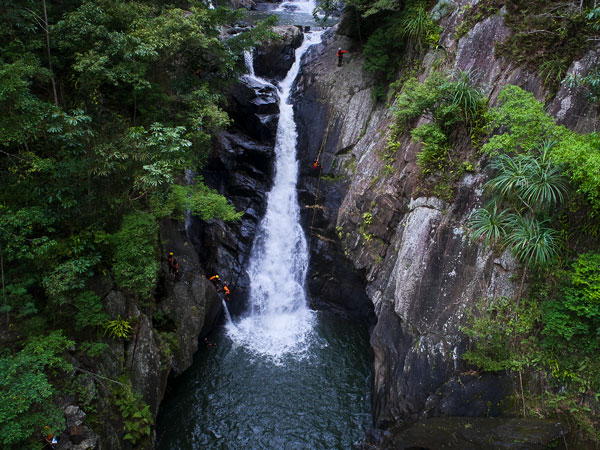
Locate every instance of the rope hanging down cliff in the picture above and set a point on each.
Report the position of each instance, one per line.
(319, 167)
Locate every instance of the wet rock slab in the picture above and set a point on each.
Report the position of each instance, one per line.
(275, 58)
(465, 433)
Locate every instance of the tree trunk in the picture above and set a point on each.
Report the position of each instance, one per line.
(47, 30)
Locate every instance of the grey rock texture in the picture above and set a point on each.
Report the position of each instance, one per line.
(422, 273)
(457, 433)
(191, 303)
(255, 108)
(246, 4)
(570, 106)
(327, 113)
(240, 168)
(274, 59)
(144, 363)
(78, 436)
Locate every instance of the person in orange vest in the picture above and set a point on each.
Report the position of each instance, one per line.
(215, 280)
(340, 55)
(49, 438)
(226, 290)
(317, 164)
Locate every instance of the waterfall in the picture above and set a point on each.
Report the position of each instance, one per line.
(248, 60)
(279, 321)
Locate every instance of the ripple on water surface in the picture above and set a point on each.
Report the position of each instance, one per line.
(233, 399)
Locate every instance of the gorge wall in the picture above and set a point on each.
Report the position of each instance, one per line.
(378, 249)
(421, 271)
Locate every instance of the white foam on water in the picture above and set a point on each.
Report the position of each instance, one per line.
(299, 6)
(279, 322)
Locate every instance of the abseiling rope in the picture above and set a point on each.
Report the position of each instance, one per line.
(323, 143)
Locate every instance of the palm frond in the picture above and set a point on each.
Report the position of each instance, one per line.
(532, 242)
(465, 93)
(511, 179)
(488, 223)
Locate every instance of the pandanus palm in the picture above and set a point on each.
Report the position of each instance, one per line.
(466, 94)
(529, 186)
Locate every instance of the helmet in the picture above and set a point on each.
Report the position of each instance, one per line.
(340, 48)
(170, 253)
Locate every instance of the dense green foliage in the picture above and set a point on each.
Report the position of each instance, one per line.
(572, 321)
(409, 30)
(525, 126)
(453, 105)
(525, 191)
(135, 260)
(389, 31)
(102, 108)
(196, 198)
(542, 174)
(26, 390)
(136, 413)
(549, 342)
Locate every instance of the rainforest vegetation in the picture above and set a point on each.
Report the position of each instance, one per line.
(542, 198)
(103, 104)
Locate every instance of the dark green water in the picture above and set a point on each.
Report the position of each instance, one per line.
(230, 399)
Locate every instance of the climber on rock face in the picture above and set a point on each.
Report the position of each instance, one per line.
(215, 280)
(340, 55)
(173, 266)
(225, 290)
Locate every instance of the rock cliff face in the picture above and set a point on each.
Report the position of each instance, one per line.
(421, 271)
(187, 309)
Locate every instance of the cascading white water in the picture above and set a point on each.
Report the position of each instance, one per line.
(249, 62)
(279, 322)
(298, 6)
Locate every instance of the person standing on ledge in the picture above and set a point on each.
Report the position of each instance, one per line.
(340, 55)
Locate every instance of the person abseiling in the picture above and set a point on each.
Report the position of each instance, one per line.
(340, 55)
(49, 438)
(172, 262)
(317, 164)
(176, 270)
(225, 290)
(215, 280)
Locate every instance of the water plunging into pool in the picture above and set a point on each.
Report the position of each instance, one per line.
(279, 322)
(280, 376)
